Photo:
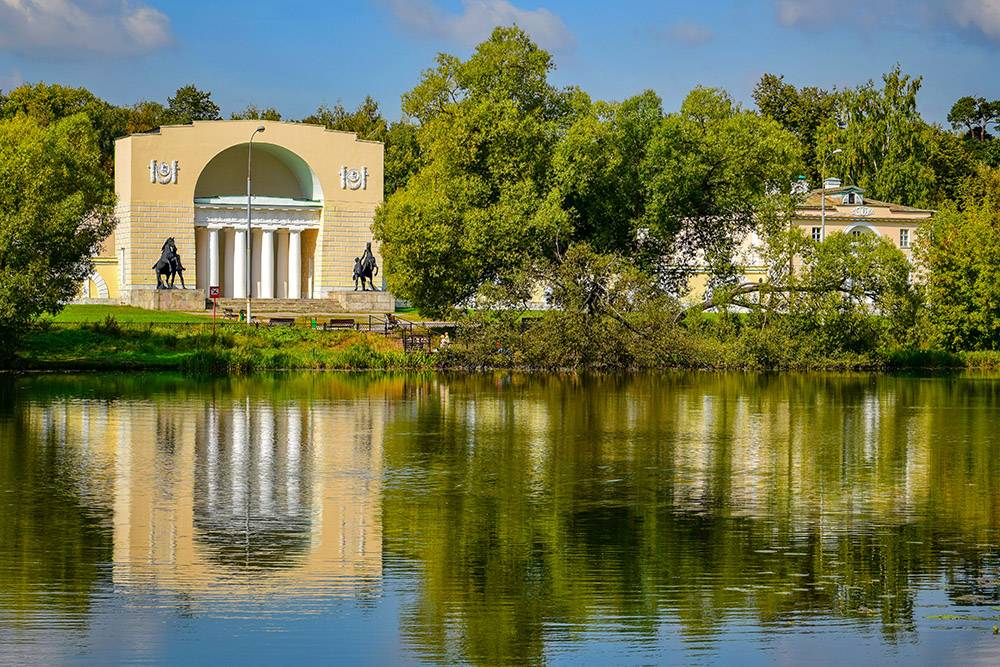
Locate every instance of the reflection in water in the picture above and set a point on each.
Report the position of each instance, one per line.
(503, 518)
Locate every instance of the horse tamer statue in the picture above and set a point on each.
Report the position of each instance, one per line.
(169, 266)
(365, 268)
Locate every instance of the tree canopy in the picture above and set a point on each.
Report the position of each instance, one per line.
(516, 170)
(55, 208)
(190, 104)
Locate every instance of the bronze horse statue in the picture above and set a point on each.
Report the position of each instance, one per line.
(169, 266)
(365, 268)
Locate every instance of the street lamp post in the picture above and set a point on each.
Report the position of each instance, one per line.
(822, 199)
(249, 262)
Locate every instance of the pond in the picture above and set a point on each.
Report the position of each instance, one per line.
(384, 519)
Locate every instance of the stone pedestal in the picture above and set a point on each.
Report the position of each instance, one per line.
(166, 299)
(364, 302)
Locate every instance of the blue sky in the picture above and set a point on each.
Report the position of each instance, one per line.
(296, 55)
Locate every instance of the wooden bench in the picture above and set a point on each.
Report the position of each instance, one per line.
(332, 325)
(281, 321)
(230, 314)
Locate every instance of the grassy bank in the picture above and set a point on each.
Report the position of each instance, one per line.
(235, 348)
(111, 338)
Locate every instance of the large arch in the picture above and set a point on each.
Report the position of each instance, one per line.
(277, 172)
(287, 212)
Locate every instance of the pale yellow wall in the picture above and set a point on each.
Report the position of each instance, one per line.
(195, 145)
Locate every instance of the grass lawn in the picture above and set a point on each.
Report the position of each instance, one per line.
(235, 348)
(124, 314)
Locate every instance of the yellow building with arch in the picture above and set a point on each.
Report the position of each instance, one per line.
(315, 192)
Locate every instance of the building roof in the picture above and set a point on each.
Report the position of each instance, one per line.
(813, 200)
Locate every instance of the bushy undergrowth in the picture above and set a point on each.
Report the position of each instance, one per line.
(559, 340)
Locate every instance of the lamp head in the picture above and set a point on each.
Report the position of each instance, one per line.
(261, 128)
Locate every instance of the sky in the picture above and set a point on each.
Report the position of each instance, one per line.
(297, 55)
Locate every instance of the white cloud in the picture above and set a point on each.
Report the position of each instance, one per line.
(477, 19)
(689, 33)
(67, 28)
(982, 16)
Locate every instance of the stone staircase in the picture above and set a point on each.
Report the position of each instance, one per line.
(337, 302)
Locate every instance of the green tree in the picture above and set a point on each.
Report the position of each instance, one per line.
(800, 110)
(251, 112)
(960, 254)
(190, 104)
(478, 209)
(366, 120)
(146, 117)
(887, 147)
(708, 172)
(596, 167)
(402, 155)
(48, 103)
(55, 208)
(975, 114)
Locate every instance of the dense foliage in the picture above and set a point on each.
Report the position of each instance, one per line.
(55, 208)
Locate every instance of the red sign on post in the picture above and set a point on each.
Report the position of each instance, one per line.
(214, 293)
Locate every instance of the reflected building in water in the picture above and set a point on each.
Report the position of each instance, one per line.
(274, 497)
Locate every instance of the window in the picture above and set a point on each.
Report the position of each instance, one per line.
(817, 234)
(904, 238)
(857, 231)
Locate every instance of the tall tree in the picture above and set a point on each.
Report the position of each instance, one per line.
(975, 114)
(960, 254)
(597, 165)
(190, 104)
(800, 110)
(887, 147)
(710, 172)
(402, 155)
(48, 103)
(477, 211)
(55, 208)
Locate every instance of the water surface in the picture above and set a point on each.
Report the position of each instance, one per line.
(380, 519)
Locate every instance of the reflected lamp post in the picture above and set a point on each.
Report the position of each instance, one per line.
(822, 199)
(249, 263)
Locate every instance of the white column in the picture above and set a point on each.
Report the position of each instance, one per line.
(294, 264)
(228, 254)
(267, 264)
(213, 458)
(265, 459)
(254, 260)
(201, 261)
(281, 271)
(238, 458)
(240, 264)
(292, 459)
(213, 257)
